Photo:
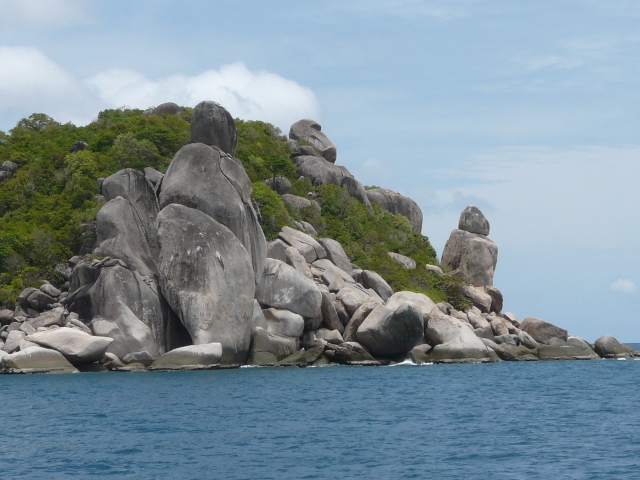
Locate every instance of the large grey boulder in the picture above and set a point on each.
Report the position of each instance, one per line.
(154, 179)
(78, 347)
(310, 131)
(167, 108)
(349, 353)
(50, 290)
(331, 273)
(419, 353)
(207, 279)
(6, 317)
(395, 203)
(497, 299)
(336, 254)
(378, 284)
(205, 179)
(512, 352)
(213, 125)
(83, 274)
(329, 336)
(294, 258)
(356, 190)
(478, 297)
(473, 220)
(353, 297)
(191, 355)
(351, 328)
(55, 316)
(37, 359)
(608, 346)
(481, 327)
(134, 187)
(24, 295)
(330, 317)
(283, 322)
(282, 185)
(298, 203)
(305, 244)
(4, 176)
(475, 256)
(282, 286)
(320, 171)
(120, 234)
(452, 339)
(277, 249)
(9, 166)
(389, 333)
(39, 300)
(125, 306)
(574, 349)
(420, 300)
(12, 342)
(406, 262)
(541, 331)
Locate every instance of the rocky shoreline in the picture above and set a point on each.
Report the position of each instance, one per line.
(182, 277)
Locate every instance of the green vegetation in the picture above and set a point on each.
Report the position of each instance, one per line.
(367, 237)
(47, 209)
(263, 151)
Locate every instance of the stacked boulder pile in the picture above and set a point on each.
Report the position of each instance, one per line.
(315, 158)
(182, 277)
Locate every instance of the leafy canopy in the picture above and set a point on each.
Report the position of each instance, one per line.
(47, 210)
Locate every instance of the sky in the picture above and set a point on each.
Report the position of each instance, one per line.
(528, 110)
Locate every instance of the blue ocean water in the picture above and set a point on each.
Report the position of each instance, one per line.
(543, 420)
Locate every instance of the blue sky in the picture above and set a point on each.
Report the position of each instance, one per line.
(526, 109)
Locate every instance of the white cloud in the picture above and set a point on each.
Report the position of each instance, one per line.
(249, 95)
(623, 285)
(40, 14)
(571, 198)
(30, 82)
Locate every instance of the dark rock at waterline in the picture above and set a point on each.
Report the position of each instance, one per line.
(541, 331)
(608, 346)
(125, 306)
(388, 333)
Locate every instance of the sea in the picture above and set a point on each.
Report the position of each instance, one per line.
(538, 420)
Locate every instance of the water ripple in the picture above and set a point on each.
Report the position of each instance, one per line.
(560, 420)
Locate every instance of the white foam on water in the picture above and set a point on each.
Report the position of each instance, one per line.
(621, 359)
(409, 362)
